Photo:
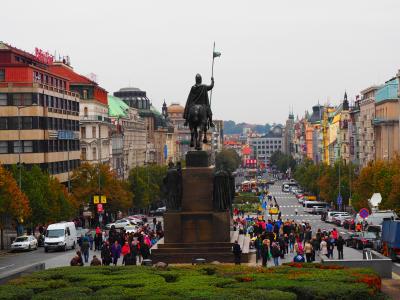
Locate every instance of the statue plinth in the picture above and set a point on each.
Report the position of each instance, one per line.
(197, 230)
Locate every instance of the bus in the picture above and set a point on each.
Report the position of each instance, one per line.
(309, 205)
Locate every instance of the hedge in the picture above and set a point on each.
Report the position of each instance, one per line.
(291, 281)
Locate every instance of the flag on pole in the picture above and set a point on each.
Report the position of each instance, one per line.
(216, 54)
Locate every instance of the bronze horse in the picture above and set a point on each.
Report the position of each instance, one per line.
(198, 125)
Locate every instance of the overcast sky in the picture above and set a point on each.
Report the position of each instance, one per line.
(275, 54)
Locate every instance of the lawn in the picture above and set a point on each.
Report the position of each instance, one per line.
(293, 281)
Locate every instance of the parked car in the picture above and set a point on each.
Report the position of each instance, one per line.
(364, 240)
(339, 219)
(331, 214)
(317, 210)
(119, 224)
(159, 211)
(134, 221)
(142, 217)
(131, 228)
(24, 242)
(349, 224)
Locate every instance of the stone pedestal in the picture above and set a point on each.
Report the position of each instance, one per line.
(197, 231)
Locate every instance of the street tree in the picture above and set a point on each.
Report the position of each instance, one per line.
(227, 160)
(14, 204)
(97, 179)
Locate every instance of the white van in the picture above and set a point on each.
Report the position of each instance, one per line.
(60, 236)
(331, 214)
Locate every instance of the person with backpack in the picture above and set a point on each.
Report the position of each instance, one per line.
(265, 252)
(237, 253)
(339, 246)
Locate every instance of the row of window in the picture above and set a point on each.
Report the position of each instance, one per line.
(38, 146)
(45, 123)
(57, 167)
(267, 142)
(26, 99)
(49, 80)
(267, 147)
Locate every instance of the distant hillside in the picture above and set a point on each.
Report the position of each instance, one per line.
(230, 127)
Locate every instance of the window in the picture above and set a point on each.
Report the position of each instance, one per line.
(93, 132)
(3, 123)
(26, 122)
(94, 153)
(83, 156)
(3, 99)
(28, 146)
(85, 112)
(85, 94)
(2, 75)
(3, 147)
(17, 148)
(83, 132)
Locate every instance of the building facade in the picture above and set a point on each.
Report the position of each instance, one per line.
(39, 114)
(386, 120)
(95, 125)
(128, 138)
(155, 124)
(264, 146)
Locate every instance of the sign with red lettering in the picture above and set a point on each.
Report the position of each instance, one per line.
(44, 56)
(99, 207)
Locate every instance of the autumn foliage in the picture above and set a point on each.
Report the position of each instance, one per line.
(13, 202)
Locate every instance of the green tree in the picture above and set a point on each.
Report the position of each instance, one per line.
(146, 184)
(227, 160)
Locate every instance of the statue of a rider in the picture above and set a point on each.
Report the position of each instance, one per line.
(199, 96)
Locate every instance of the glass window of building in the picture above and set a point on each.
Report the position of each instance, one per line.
(17, 147)
(3, 147)
(83, 156)
(3, 99)
(94, 132)
(28, 146)
(94, 153)
(83, 132)
(2, 75)
(85, 94)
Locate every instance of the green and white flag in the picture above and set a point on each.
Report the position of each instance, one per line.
(216, 54)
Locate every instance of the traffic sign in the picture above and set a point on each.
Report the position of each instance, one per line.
(339, 200)
(96, 199)
(99, 207)
(364, 213)
(103, 199)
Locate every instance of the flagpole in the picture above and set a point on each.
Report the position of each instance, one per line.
(212, 71)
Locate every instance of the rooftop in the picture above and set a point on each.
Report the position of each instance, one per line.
(389, 91)
(117, 107)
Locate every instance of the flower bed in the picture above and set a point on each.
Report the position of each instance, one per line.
(292, 281)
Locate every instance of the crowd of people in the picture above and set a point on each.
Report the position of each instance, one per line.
(133, 247)
(275, 239)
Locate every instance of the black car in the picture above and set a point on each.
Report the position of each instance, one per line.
(364, 240)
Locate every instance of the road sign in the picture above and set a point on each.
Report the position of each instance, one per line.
(99, 207)
(96, 199)
(364, 213)
(339, 200)
(103, 199)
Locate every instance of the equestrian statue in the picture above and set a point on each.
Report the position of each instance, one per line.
(197, 113)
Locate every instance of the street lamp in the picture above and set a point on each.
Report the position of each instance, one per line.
(19, 107)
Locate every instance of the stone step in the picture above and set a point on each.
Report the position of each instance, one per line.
(194, 245)
(195, 250)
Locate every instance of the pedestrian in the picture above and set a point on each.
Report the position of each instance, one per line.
(237, 253)
(98, 239)
(324, 247)
(265, 252)
(292, 241)
(106, 255)
(116, 252)
(144, 250)
(275, 252)
(296, 211)
(77, 259)
(298, 247)
(95, 261)
(258, 246)
(308, 249)
(339, 246)
(331, 246)
(125, 251)
(85, 248)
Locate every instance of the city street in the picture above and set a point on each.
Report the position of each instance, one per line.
(288, 203)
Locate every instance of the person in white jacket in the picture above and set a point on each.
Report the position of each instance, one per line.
(324, 247)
